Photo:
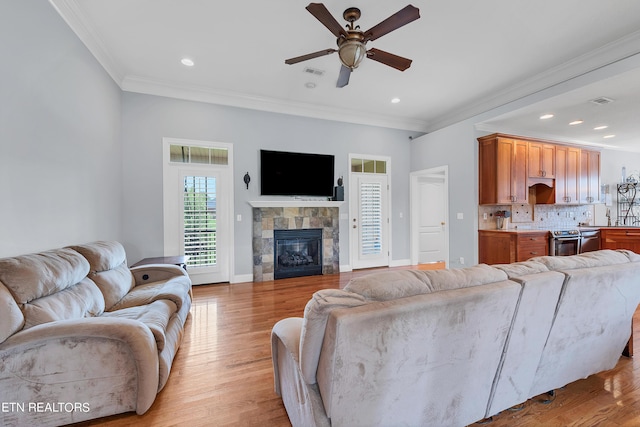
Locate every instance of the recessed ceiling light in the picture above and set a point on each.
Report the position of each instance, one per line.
(395, 100)
(187, 62)
(600, 127)
(310, 85)
(609, 136)
(546, 116)
(576, 122)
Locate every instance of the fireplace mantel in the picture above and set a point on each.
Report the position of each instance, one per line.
(294, 204)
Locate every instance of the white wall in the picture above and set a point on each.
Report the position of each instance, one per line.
(60, 158)
(147, 119)
(456, 147)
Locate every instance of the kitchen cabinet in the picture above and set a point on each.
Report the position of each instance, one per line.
(504, 247)
(503, 170)
(542, 160)
(589, 176)
(567, 175)
(620, 238)
(529, 245)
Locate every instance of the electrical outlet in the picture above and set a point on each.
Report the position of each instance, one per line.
(461, 260)
(484, 216)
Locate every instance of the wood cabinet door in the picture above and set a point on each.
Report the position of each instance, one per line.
(542, 160)
(496, 247)
(620, 239)
(519, 170)
(589, 176)
(567, 175)
(504, 170)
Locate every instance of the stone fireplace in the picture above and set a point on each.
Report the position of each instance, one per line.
(268, 217)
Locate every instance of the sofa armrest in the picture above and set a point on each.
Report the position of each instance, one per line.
(286, 331)
(82, 351)
(149, 273)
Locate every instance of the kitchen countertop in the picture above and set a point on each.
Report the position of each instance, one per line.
(518, 230)
(546, 230)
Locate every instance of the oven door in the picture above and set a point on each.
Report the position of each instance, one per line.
(564, 246)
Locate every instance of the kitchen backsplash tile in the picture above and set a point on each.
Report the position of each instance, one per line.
(536, 216)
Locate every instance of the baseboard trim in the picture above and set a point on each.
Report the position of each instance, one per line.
(241, 278)
(400, 263)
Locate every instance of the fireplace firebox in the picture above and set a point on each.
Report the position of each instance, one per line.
(297, 252)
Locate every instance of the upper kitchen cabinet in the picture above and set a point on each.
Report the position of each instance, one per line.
(542, 160)
(589, 176)
(567, 175)
(503, 170)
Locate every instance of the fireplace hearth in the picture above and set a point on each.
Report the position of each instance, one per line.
(297, 252)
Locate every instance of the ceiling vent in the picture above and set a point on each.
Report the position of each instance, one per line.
(314, 71)
(602, 100)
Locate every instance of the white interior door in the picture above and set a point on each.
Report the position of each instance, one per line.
(369, 224)
(429, 213)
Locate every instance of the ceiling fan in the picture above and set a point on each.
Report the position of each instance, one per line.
(352, 41)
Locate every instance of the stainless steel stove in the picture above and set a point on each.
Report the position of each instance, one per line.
(563, 242)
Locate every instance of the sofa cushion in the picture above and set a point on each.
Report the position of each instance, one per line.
(175, 290)
(50, 286)
(633, 257)
(524, 268)
(81, 300)
(316, 313)
(11, 318)
(390, 285)
(585, 260)
(33, 276)
(109, 270)
(155, 315)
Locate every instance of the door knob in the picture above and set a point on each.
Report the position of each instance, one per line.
(442, 223)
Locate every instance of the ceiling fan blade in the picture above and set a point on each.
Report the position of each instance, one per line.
(386, 58)
(309, 56)
(343, 78)
(395, 21)
(323, 15)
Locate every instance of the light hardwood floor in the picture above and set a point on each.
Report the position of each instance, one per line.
(222, 374)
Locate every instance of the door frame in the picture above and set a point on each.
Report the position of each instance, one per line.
(171, 173)
(353, 207)
(440, 172)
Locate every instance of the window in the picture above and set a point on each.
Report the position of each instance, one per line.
(371, 220)
(198, 155)
(368, 166)
(200, 216)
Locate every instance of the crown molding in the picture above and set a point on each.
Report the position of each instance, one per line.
(624, 52)
(234, 99)
(73, 16)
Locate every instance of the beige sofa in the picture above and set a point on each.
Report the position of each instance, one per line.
(83, 336)
(449, 348)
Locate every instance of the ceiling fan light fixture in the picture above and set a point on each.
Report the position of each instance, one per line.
(351, 53)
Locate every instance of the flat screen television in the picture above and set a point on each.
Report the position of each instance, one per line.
(296, 174)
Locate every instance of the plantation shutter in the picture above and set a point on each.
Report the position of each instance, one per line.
(371, 218)
(199, 214)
